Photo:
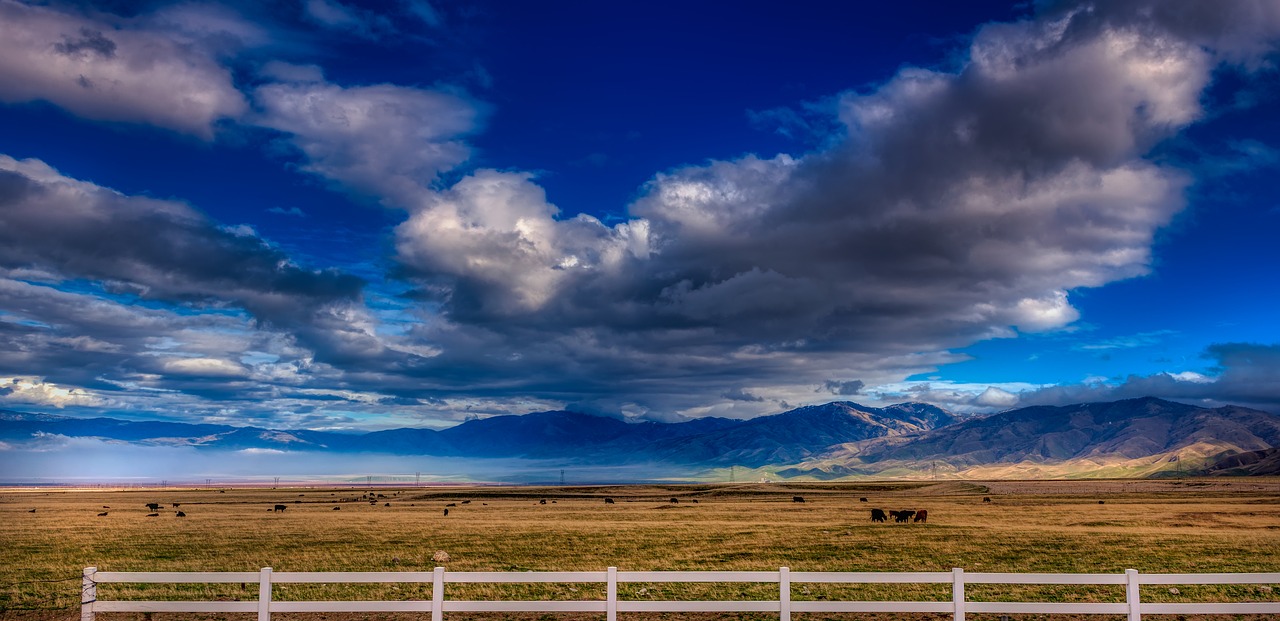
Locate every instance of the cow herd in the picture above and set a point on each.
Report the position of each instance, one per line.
(905, 515)
(877, 515)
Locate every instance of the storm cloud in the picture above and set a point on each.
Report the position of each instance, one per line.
(956, 206)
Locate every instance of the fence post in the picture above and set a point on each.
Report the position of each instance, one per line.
(264, 594)
(1132, 594)
(957, 592)
(784, 593)
(437, 595)
(611, 595)
(88, 594)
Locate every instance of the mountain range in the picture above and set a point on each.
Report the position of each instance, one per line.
(1136, 437)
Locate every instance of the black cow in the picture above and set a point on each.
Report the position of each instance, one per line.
(543, 501)
(675, 501)
(901, 516)
(452, 504)
(337, 508)
(102, 514)
(176, 505)
(386, 504)
(608, 501)
(862, 500)
(986, 499)
(154, 506)
(922, 515)
(695, 501)
(280, 508)
(181, 514)
(466, 502)
(446, 512)
(797, 499)
(877, 515)
(153, 515)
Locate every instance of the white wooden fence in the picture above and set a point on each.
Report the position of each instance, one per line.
(611, 605)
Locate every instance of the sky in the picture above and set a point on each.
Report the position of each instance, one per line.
(331, 215)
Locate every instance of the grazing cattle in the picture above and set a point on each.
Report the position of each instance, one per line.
(1102, 502)
(543, 501)
(608, 501)
(922, 515)
(32, 511)
(280, 508)
(466, 502)
(387, 504)
(153, 515)
(102, 514)
(452, 504)
(901, 516)
(446, 512)
(176, 505)
(154, 506)
(695, 501)
(877, 515)
(337, 508)
(986, 499)
(105, 507)
(797, 499)
(862, 500)
(181, 514)
(675, 501)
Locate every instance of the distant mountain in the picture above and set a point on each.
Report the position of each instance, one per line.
(798, 434)
(781, 438)
(1135, 437)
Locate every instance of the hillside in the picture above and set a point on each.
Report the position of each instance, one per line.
(1135, 437)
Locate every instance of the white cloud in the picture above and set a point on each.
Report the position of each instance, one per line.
(36, 391)
(385, 140)
(204, 367)
(114, 70)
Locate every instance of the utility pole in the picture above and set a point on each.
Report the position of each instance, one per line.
(276, 484)
(733, 474)
(562, 478)
(417, 479)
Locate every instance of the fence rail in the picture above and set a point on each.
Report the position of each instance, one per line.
(958, 606)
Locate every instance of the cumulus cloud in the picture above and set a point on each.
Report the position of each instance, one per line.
(951, 207)
(36, 391)
(154, 249)
(383, 140)
(152, 69)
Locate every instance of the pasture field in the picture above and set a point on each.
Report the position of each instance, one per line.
(1177, 526)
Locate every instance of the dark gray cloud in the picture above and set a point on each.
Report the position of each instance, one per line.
(1242, 374)
(843, 388)
(156, 250)
(952, 207)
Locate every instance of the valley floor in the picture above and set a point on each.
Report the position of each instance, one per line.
(1162, 526)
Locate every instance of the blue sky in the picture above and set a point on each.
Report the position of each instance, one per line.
(336, 215)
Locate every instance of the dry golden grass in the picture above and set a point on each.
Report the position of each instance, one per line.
(1175, 527)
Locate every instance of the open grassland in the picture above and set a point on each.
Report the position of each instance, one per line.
(1056, 526)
